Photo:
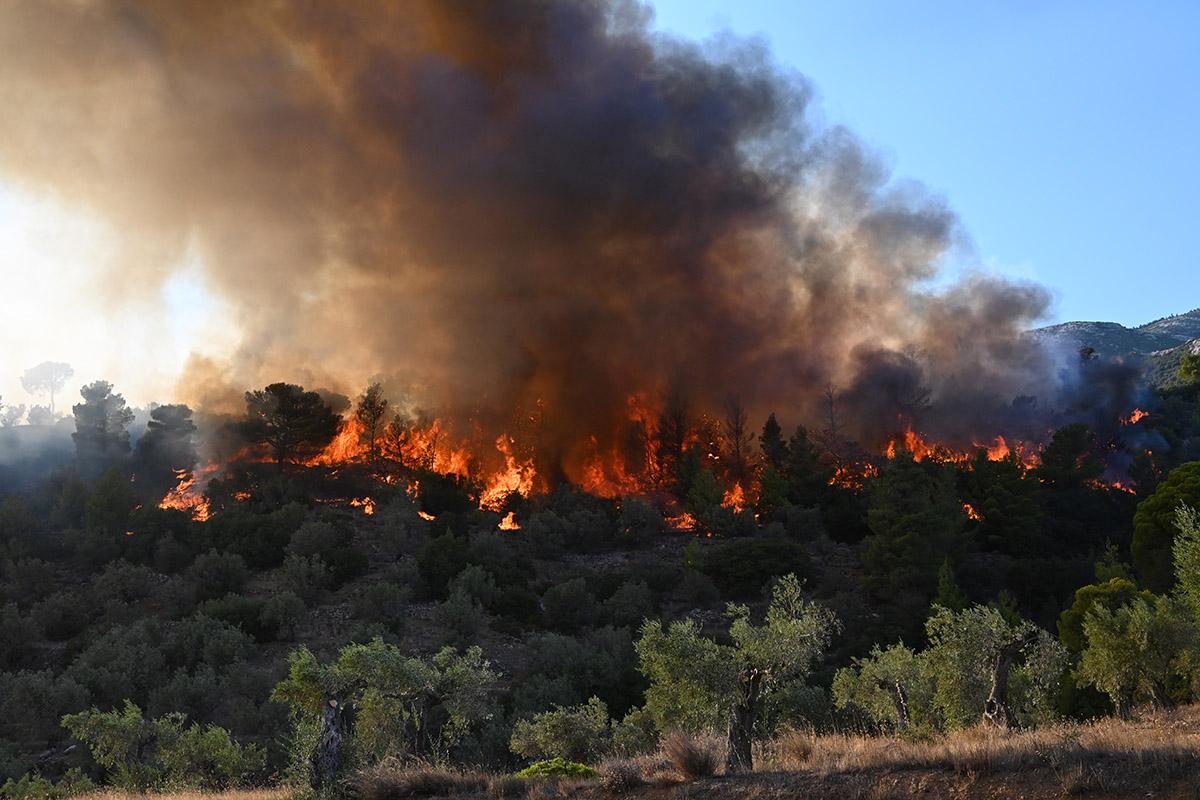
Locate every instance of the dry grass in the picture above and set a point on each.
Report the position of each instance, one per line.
(278, 793)
(693, 756)
(1082, 759)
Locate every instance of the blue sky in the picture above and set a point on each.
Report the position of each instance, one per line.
(1066, 135)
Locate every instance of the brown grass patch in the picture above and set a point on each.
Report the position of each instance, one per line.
(693, 756)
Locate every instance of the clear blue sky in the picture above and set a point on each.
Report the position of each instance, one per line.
(1065, 134)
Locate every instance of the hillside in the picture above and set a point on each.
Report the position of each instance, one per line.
(1114, 339)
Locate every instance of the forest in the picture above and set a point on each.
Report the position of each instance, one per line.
(315, 586)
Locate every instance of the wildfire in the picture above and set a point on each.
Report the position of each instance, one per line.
(509, 523)
(187, 496)
(735, 498)
(970, 511)
(516, 477)
(366, 504)
(1134, 416)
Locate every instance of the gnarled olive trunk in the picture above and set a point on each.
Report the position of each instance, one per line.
(899, 700)
(997, 710)
(738, 757)
(325, 764)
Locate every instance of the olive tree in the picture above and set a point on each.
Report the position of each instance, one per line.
(975, 654)
(1136, 650)
(373, 702)
(894, 686)
(1187, 557)
(697, 683)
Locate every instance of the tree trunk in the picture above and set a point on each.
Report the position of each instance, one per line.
(1158, 694)
(899, 700)
(739, 757)
(997, 710)
(325, 765)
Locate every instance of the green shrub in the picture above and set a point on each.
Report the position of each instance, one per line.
(742, 569)
(557, 768)
(33, 786)
(580, 733)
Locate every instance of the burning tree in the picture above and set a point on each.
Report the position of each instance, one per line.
(369, 414)
(294, 423)
(165, 452)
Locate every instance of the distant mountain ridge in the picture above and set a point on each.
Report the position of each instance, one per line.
(1114, 339)
(1162, 342)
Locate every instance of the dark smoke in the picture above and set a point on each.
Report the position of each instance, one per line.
(501, 202)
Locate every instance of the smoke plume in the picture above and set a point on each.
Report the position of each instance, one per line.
(509, 204)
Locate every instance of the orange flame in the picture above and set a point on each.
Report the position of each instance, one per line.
(187, 496)
(735, 498)
(516, 477)
(509, 523)
(1134, 416)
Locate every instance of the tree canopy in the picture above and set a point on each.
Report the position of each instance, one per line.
(101, 429)
(48, 377)
(293, 423)
(697, 683)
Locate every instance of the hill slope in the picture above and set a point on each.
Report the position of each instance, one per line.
(1114, 339)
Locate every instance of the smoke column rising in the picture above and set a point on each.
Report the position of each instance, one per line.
(501, 202)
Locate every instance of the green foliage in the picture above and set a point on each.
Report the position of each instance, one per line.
(1187, 557)
(557, 768)
(580, 733)
(1138, 650)
(17, 633)
(165, 450)
(1112, 594)
(638, 524)
(108, 507)
(402, 705)
(293, 423)
(888, 684)
(569, 606)
(1189, 368)
(142, 754)
(741, 568)
(217, 574)
(1154, 525)
(694, 681)
(32, 786)
(948, 594)
(962, 652)
(916, 524)
(1071, 457)
(34, 701)
(101, 429)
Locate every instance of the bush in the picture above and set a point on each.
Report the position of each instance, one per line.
(240, 612)
(306, 577)
(692, 757)
(217, 574)
(620, 776)
(64, 615)
(742, 568)
(145, 753)
(557, 768)
(580, 733)
(569, 606)
(33, 786)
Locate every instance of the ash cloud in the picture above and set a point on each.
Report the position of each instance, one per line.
(501, 202)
